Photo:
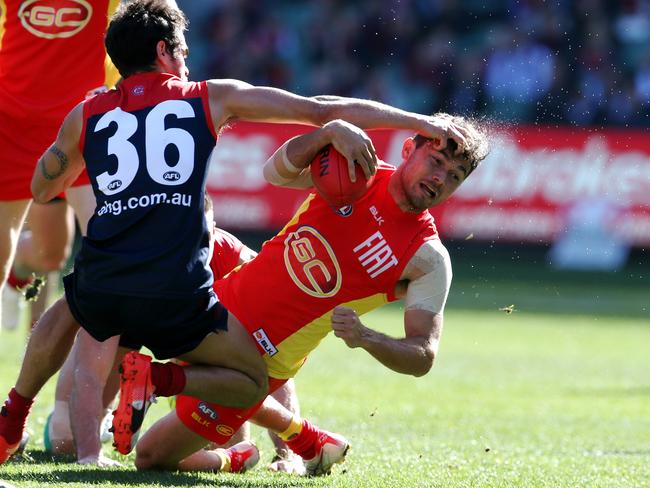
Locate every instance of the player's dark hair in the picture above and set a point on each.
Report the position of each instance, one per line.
(136, 28)
(477, 146)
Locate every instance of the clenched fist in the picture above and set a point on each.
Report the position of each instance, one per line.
(347, 326)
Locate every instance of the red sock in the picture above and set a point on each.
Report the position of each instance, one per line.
(304, 444)
(13, 416)
(15, 282)
(168, 378)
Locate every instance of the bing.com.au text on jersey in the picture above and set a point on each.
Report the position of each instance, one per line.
(116, 207)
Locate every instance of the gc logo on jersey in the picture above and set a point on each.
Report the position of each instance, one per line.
(311, 263)
(49, 20)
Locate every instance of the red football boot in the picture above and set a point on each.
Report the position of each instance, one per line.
(136, 395)
(330, 450)
(243, 456)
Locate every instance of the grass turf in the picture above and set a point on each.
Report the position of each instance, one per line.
(522, 399)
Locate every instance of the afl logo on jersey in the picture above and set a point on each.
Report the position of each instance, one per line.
(311, 263)
(114, 185)
(171, 176)
(51, 20)
(345, 211)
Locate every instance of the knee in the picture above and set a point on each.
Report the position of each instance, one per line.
(152, 457)
(249, 393)
(263, 389)
(260, 378)
(144, 459)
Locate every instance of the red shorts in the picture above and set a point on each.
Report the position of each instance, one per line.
(213, 422)
(23, 141)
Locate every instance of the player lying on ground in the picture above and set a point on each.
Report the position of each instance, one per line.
(142, 267)
(320, 273)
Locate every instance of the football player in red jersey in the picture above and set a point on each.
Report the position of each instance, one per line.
(41, 80)
(326, 268)
(141, 268)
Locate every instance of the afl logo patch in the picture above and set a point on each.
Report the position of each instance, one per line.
(206, 410)
(345, 211)
(138, 90)
(65, 19)
(172, 176)
(114, 185)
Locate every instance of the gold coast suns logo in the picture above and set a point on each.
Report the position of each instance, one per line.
(311, 263)
(55, 19)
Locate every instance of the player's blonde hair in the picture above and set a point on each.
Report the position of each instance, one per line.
(477, 146)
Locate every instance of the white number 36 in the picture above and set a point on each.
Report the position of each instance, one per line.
(157, 138)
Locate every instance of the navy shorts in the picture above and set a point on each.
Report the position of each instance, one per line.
(169, 327)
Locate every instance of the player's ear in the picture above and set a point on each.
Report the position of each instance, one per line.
(408, 148)
(161, 50)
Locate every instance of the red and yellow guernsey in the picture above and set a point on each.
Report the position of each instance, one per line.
(353, 256)
(51, 54)
(227, 249)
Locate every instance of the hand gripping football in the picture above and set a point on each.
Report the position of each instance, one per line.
(329, 173)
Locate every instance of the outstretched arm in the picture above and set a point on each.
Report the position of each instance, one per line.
(413, 354)
(62, 162)
(232, 100)
(429, 277)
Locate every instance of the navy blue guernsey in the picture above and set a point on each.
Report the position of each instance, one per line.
(147, 146)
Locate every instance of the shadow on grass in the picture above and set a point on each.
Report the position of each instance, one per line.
(66, 474)
(63, 469)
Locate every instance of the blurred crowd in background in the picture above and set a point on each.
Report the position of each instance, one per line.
(578, 62)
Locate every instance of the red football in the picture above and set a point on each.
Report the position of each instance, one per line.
(329, 173)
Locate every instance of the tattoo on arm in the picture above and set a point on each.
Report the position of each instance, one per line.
(63, 164)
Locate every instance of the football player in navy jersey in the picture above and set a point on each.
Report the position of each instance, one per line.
(142, 268)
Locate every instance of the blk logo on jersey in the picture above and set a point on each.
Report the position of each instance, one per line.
(263, 340)
(50, 20)
(375, 214)
(375, 255)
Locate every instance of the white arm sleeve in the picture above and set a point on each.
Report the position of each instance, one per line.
(301, 178)
(429, 291)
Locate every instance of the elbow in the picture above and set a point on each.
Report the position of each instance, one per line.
(421, 371)
(425, 365)
(40, 197)
(39, 194)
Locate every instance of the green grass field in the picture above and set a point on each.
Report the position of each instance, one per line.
(515, 399)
